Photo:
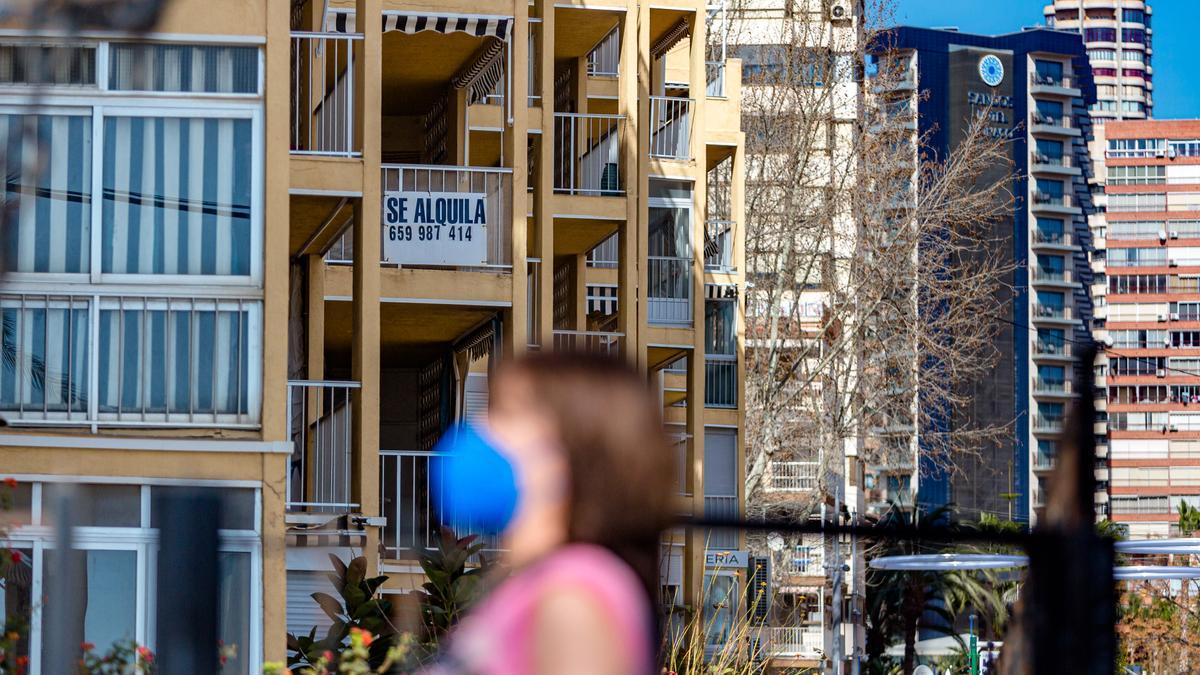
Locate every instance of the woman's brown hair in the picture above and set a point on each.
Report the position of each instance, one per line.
(621, 466)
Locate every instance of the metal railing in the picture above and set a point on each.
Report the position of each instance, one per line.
(1047, 199)
(320, 427)
(494, 183)
(1059, 238)
(1046, 274)
(596, 342)
(415, 514)
(1052, 347)
(130, 361)
(1043, 119)
(587, 154)
(791, 476)
(804, 561)
(669, 295)
(795, 641)
(1041, 311)
(1051, 160)
(1043, 423)
(1043, 385)
(718, 247)
(721, 507)
(1043, 461)
(670, 127)
(721, 381)
(1044, 80)
(323, 112)
(606, 254)
(714, 76)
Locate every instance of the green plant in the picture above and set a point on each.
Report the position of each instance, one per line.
(355, 657)
(360, 608)
(122, 658)
(452, 588)
(1189, 519)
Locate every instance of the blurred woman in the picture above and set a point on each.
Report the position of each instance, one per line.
(574, 470)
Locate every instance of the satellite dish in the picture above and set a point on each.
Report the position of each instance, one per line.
(775, 542)
(923, 670)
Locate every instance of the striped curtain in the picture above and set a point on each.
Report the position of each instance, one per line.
(176, 196)
(175, 361)
(46, 213)
(217, 69)
(45, 354)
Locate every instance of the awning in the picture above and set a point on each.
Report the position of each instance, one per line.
(342, 21)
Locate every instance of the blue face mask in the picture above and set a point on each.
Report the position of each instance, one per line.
(474, 482)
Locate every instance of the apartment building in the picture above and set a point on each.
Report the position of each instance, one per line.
(1151, 277)
(1036, 88)
(274, 248)
(1117, 34)
(799, 74)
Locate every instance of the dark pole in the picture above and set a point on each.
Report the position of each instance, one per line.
(188, 583)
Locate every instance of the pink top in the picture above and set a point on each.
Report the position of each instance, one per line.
(497, 637)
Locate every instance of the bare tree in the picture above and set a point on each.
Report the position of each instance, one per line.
(876, 283)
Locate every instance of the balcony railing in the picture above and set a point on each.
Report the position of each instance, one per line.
(130, 361)
(670, 127)
(594, 342)
(718, 247)
(1043, 461)
(1046, 120)
(415, 513)
(786, 476)
(1056, 238)
(587, 154)
(605, 58)
(1043, 385)
(720, 381)
(1052, 347)
(670, 290)
(714, 72)
(795, 641)
(1041, 311)
(1048, 199)
(1051, 160)
(1047, 274)
(804, 561)
(323, 94)
(1044, 80)
(1043, 423)
(721, 507)
(320, 427)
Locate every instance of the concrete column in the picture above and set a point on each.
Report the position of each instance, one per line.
(544, 194)
(639, 213)
(516, 139)
(365, 363)
(580, 291)
(628, 102)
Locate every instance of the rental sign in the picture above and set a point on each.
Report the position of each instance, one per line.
(435, 228)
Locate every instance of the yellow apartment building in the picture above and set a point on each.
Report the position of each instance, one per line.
(274, 247)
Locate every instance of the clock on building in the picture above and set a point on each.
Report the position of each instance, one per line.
(991, 70)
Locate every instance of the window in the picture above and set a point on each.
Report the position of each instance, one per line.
(1100, 35)
(1137, 257)
(1103, 106)
(1133, 55)
(1148, 201)
(1050, 230)
(1104, 72)
(1133, 16)
(116, 548)
(1133, 72)
(1137, 175)
(1133, 107)
(1136, 147)
(1049, 72)
(55, 65)
(1190, 148)
(1149, 365)
(1102, 55)
(112, 194)
(1139, 339)
(1136, 35)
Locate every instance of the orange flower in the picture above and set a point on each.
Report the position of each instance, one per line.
(146, 654)
(87, 646)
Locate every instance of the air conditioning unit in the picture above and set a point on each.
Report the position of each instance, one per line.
(1174, 428)
(1174, 316)
(1161, 373)
(840, 10)
(1160, 153)
(1174, 234)
(1172, 263)
(1162, 317)
(1171, 153)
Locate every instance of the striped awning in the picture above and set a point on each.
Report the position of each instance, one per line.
(342, 21)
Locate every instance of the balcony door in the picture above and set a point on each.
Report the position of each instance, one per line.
(670, 252)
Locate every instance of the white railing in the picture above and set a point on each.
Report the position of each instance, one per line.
(714, 72)
(129, 361)
(591, 341)
(670, 289)
(320, 428)
(495, 183)
(605, 254)
(804, 561)
(414, 509)
(587, 154)
(790, 476)
(796, 641)
(670, 127)
(605, 58)
(323, 115)
(721, 381)
(718, 248)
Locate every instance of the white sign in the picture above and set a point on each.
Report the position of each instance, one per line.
(726, 559)
(435, 228)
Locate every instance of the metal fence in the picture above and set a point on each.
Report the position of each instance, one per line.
(796, 641)
(587, 154)
(320, 427)
(718, 248)
(791, 476)
(597, 342)
(669, 294)
(671, 127)
(323, 94)
(415, 516)
(605, 58)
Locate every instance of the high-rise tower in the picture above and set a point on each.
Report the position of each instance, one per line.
(1117, 34)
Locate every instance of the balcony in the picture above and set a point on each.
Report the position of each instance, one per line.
(592, 342)
(1052, 240)
(671, 127)
(605, 58)
(320, 427)
(721, 381)
(1056, 125)
(1053, 203)
(804, 561)
(1047, 424)
(415, 515)
(165, 361)
(669, 296)
(718, 247)
(1052, 348)
(323, 116)
(722, 507)
(1043, 461)
(792, 476)
(1058, 165)
(1056, 85)
(797, 642)
(1043, 276)
(587, 154)
(1047, 387)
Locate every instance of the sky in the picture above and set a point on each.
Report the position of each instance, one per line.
(1176, 95)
